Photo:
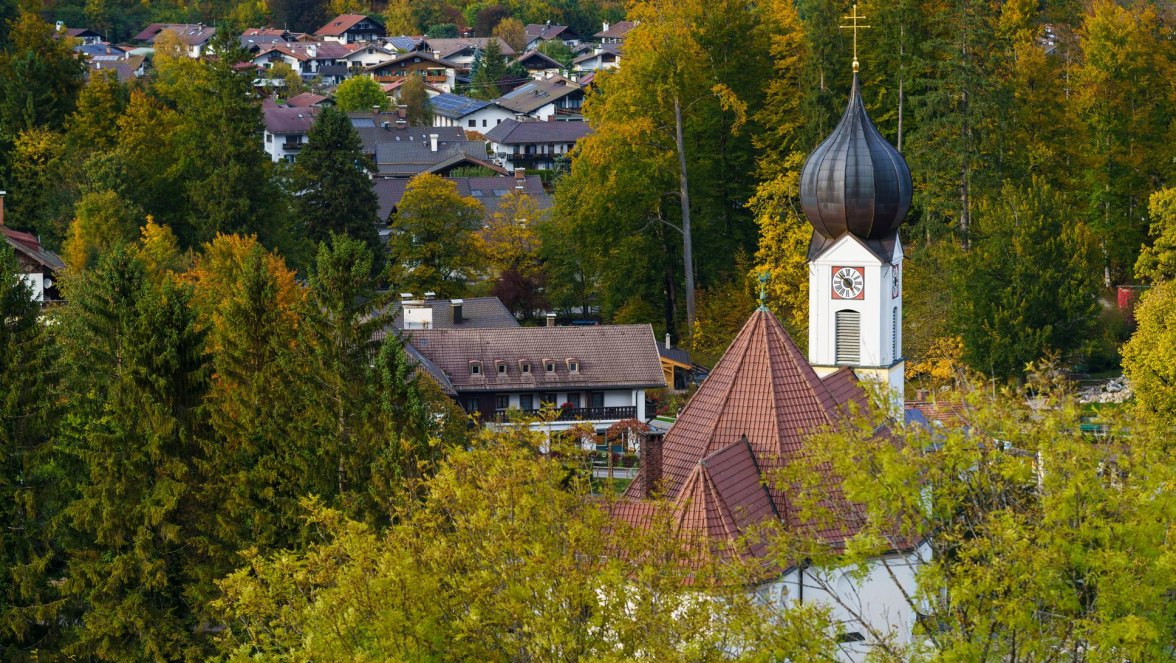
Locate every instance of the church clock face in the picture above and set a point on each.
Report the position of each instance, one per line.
(848, 282)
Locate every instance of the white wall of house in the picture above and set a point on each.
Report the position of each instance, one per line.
(277, 146)
(368, 57)
(268, 60)
(481, 120)
(544, 154)
(36, 282)
(877, 600)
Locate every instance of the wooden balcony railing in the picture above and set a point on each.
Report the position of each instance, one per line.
(584, 413)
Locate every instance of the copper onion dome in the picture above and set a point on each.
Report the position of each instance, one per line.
(855, 181)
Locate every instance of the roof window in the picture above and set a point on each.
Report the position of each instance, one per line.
(549, 365)
(501, 366)
(475, 368)
(524, 367)
(573, 365)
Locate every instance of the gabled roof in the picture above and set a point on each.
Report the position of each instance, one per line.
(609, 49)
(282, 48)
(406, 58)
(455, 106)
(514, 132)
(287, 119)
(449, 47)
(677, 355)
(534, 95)
(408, 158)
(764, 392)
(190, 34)
(28, 245)
(617, 30)
(547, 31)
(342, 23)
(618, 356)
(306, 99)
(404, 42)
(476, 313)
(537, 60)
(372, 131)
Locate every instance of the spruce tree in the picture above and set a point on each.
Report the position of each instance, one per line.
(33, 489)
(334, 193)
(135, 391)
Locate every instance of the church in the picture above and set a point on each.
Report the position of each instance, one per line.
(753, 414)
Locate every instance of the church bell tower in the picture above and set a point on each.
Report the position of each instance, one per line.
(855, 190)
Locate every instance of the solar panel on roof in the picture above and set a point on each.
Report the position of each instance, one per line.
(363, 122)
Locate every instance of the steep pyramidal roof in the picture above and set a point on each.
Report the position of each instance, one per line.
(749, 419)
(855, 181)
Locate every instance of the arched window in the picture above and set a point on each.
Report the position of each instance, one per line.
(849, 337)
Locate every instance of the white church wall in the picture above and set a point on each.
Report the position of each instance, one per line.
(875, 606)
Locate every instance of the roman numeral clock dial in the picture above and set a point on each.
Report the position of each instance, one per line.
(848, 282)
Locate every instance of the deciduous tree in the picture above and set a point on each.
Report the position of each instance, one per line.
(415, 98)
(512, 31)
(360, 93)
(432, 245)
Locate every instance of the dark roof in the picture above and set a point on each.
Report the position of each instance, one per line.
(609, 49)
(486, 190)
(342, 23)
(883, 248)
(411, 56)
(429, 367)
(287, 119)
(607, 356)
(476, 313)
(855, 181)
(123, 70)
(547, 31)
(305, 99)
(514, 132)
(190, 34)
(679, 355)
(617, 30)
(448, 47)
(455, 106)
(534, 95)
(339, 70)
(404, 43)
(101, 50)
(79, 33)
(28, 245)
(407, 158)
(372, 131)
(537, 60)
(765, 393)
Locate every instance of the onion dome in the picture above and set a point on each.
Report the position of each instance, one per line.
(855, 181)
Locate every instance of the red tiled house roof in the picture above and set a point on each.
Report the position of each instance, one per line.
(749, 419)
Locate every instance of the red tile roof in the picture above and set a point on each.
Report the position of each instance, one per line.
(339, 25)
(750, 418)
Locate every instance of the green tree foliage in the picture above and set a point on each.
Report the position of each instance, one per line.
(558, 51)
(1075, 523)
(486, 77)
(1148, 357)
(441, 31)
(33, 485)
(138, 376)
(93, 126)
(1158, 262)
(415, 98)
(513, 32)
(449, 582)
(1027, 287)
(104, 221)
(334, 193)
(39, 82)
(432, 246)
(360, 93)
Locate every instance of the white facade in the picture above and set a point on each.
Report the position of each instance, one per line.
(874, 307)
(368, 56)
(284, 147)
(615, 398)
(36, 282)
(866, 610)
(481, 120)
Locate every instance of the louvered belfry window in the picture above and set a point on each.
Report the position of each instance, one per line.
(849, 337)
(894, 334)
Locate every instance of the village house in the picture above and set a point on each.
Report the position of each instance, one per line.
(439, 157)
(539, 33)
(488, 190)
(437, 72)
(454, 110)
(351, 29)
(538, 65)
(38, 266)
(195, 37)
(462, 51)
(603, 57)
(286, 129)
(306, 99)
(85, 36)
(594, 376)
(539, 145)
(550, 98)
(614, 33)
(258, 39)
(368, 55)
(376, 127)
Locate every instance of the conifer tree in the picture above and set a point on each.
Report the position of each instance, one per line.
(334, 193)
(136, 384)
(484, 82)
(33, 487)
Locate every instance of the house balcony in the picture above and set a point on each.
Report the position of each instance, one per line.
(581, 413)
(292, 146)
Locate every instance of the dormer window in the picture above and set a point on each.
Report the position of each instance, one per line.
(476, 368)
(549, 365)
(573, 365)
(500, 366)
(524, 367)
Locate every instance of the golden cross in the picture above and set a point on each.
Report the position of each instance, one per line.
(855, 27)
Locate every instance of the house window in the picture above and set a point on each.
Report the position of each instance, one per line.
(483, 123)
(549, 365)
(526, 402)
(525, 367)
(848, 337)
(471, 404)
(475, 368)
(501, 401)
(473, 123)
(573, 399)
(269, 138)
(573, 366)
(597, 399)
(501, 367)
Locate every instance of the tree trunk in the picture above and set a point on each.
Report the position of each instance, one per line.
(901, 70)
(684, 198)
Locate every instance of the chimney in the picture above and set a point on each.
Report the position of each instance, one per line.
(651, 462)
(433, 142)
(376, 112)
(550, 319)
(456, 305)
(417, 314)
(437, 54)
(430, 296)
(520, 178)
(2, 194)
(668, 346)
(405, 296)
(605, 27)
(401, 110)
